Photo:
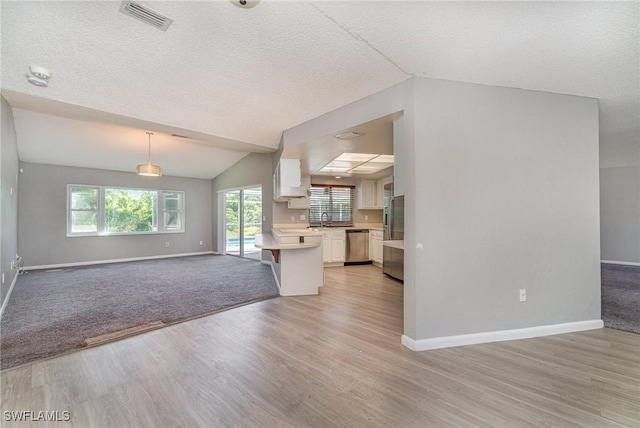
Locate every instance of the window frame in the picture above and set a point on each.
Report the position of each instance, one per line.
(101, 226)
(332, 222)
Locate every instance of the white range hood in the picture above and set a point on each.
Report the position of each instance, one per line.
(286, 181)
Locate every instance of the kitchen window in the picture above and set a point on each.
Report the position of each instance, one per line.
(334, 200)
(101, 210)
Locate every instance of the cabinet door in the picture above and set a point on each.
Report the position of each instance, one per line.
(326, 247)
(338, 241)
(372, 246)
(337, 250)
(378, 191)
(366, 195)
(379, 250)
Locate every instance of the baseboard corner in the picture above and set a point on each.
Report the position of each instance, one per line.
(6, 298)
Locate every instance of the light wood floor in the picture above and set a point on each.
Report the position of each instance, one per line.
(333, 360)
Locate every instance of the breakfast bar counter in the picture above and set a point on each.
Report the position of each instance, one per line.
(297, 261)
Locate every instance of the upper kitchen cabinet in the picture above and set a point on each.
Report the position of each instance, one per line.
(286, 181)
(369, 195)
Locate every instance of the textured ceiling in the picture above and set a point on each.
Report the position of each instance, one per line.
(234, 79)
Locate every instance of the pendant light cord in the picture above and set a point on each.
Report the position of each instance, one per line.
(149, 158)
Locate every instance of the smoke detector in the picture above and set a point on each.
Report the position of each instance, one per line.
(39, 76)
(245, 4)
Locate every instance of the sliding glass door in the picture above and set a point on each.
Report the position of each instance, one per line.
(243, 221)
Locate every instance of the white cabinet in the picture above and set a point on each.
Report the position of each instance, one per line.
(333, 246)
(375, 246)
(302, 203)
(286, 181)
(369, 195)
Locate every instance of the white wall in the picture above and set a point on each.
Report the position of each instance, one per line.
(620, 213)
(8, 198)
(507, 197)
(43, 217)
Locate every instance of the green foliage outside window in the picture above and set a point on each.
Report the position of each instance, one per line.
(130, 210)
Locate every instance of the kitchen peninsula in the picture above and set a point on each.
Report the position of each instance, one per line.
(297, 259)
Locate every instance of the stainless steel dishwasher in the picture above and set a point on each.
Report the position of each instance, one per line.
(357, 251)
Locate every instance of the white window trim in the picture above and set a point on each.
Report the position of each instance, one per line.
(101, 215)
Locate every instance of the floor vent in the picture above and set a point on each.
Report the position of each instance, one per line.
(145, 14)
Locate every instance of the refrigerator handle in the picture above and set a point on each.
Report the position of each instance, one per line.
(390, 220)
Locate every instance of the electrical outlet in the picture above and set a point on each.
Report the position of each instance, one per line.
(366, 217)
(3, 277)
(303, 217)
(200, 242)
(166, 244)
(523, 294)
(293, 218)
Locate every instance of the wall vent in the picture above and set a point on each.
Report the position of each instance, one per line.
(145, 14)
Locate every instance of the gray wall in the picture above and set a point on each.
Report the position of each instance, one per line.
(8, 198)
(43, 217)
(620, 213)
(506, 197)
(501, 191)
(253, 169)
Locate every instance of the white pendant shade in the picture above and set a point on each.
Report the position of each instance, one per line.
(147, 169)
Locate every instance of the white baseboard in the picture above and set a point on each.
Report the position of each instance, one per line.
(101, 262)
(499, 336)
(275, 276)
(6, 298)
(614, 262)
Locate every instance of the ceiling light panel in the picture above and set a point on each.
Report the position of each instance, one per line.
(344, 164)
(355, 157)
(333, 169)
(384, 159)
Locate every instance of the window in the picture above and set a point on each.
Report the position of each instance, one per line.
(100, 210)
(83, 210)
(334, 200)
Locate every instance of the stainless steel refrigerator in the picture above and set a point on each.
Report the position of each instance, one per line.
(393, 257)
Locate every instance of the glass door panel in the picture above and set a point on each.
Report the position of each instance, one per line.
(243, 221)
(232, 222)
(251, 222)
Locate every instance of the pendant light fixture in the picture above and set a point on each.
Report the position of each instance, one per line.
(147, 169)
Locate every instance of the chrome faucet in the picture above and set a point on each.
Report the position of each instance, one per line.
(322, 217)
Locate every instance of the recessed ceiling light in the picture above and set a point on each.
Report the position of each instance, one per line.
(338, 177)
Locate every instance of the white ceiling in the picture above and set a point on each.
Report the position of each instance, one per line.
(233, 79)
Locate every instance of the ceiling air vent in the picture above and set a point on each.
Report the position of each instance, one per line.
(349, 135)
(145, 14)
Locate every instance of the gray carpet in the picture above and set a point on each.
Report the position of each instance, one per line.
(54, 312)
(621, 297)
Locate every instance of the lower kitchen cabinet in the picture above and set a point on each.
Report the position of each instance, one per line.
(333, 246)
(375, 246)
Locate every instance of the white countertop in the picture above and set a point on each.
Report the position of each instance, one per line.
(394, 243)
(267, 242)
